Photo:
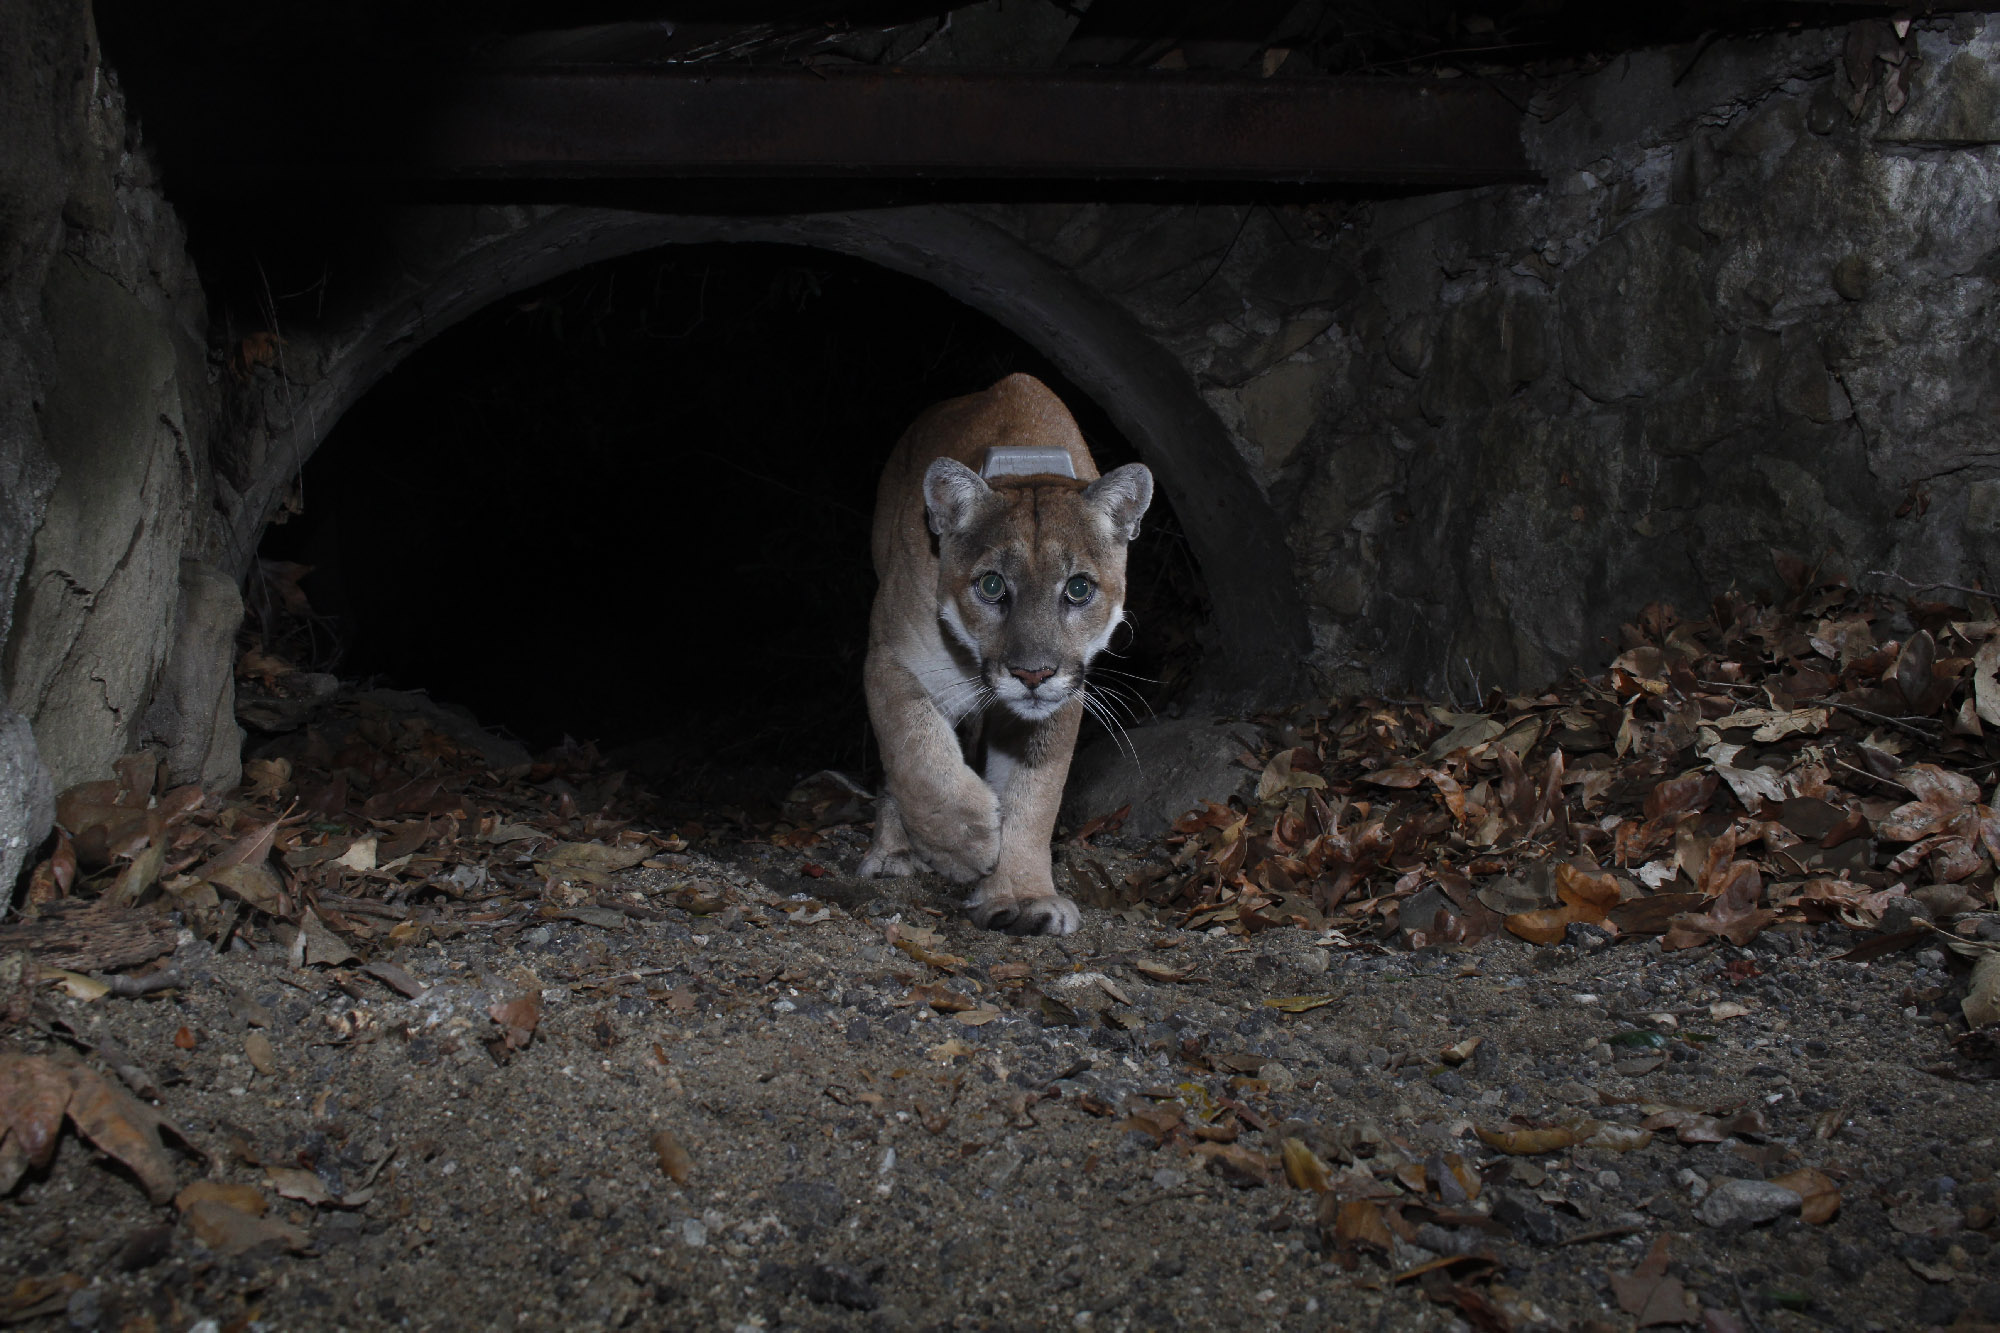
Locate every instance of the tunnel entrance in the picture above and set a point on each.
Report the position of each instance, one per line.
(631, 506)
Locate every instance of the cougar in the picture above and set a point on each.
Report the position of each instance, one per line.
(997, 588)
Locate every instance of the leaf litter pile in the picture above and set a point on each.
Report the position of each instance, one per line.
(1818, 762)
(1645, 1001)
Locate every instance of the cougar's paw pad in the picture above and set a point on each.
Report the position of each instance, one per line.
(1028, 916)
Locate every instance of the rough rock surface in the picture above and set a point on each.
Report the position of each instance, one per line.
(103, 419)
(90, 635)
(27, 801)
(1161, 770)
(1750, 309)
(193, 713)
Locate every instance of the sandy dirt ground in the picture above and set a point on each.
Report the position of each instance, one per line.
(818, 1103)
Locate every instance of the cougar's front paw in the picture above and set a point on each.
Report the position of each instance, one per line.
(891, 853)
(957, 831)
(1024, 914)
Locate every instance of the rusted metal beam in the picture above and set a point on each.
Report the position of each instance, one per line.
(746, 123)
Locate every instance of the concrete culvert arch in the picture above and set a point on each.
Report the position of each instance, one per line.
(1258, 644)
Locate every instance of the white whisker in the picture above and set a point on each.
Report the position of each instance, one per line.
(1103, 714)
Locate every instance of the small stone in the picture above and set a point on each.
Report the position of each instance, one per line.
(1745, 1203)
(145, 1247)
(837, 1284)
(1583, 935)
(1531, 1224)
(1167, 1178)
(1451, 1083)
(806, 1205)
(1902, 913)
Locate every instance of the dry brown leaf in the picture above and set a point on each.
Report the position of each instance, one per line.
(1303, 1167)
(597, 856)
(1981, 1004)
(317, 946)
(243, 1198)
(297, 1183)
(229, 1231)
(1650, 1295)
(1238, 1164)
(34, 1093)
(257, 1050)
(942, 999)
(1524, 1142)
(1543, 926)
(124, 1127)
(518, 1019)
(1460, 1053)
(1359, 1222)
(254, 883)
(674, 1159)
(1821, 1195)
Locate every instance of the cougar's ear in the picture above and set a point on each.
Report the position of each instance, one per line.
(951, 492)
(1122, 495)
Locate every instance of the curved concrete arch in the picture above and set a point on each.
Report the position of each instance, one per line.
(1260, 620)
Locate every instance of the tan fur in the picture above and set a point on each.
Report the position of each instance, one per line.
(975, 753)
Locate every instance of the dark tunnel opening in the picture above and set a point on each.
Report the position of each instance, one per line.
(632, 506)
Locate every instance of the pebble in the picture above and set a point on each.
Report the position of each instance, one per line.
(1745, 1202)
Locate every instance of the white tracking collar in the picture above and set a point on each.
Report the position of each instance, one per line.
(1028, 461)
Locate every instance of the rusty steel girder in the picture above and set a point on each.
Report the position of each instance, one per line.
(748, 123)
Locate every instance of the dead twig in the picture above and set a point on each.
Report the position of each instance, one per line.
(1912, 583)
(166, 978)
(1900, 723)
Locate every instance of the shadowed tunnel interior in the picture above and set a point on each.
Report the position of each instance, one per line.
(632, 506)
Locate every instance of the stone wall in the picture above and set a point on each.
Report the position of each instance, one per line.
(103, 461)
(1751, 309)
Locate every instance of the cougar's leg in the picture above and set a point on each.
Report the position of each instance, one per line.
(948, 816)
(1026, 765)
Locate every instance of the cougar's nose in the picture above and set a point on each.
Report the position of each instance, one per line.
(1031, 678)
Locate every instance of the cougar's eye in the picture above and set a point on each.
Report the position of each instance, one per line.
(991, 586)
(1078, 589)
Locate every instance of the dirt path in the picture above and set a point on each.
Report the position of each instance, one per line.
(1019, 1134)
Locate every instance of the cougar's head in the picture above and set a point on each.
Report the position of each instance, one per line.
(1032, 573)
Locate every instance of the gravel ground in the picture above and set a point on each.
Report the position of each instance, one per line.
(857, 1158)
